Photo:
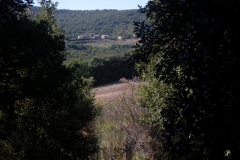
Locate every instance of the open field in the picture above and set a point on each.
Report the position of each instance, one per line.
(121, 131)
(110, 92)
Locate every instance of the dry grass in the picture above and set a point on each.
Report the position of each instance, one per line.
(109, 93)
(121, 134)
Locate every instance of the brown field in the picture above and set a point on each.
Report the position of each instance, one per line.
(110, 92)
(119, 126)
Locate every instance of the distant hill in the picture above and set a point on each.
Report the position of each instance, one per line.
(112, 22)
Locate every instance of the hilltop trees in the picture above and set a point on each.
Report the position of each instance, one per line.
(191, 48)
(44, 110)
(113, 22)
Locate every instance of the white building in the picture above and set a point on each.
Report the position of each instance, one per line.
(105, 36)
(82, 37)
(120, 37)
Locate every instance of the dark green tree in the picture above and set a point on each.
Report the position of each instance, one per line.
(191, 47)
(45, 112)
(80, 68)
(110, 69)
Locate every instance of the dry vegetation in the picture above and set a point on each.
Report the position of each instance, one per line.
(121, 134)
(109, 93)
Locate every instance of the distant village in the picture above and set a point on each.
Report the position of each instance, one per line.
(95, 37)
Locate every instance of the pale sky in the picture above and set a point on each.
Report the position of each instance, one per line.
(98, 4)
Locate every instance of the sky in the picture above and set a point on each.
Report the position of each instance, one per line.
(98, 4)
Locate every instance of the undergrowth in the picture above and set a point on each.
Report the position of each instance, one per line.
(121, 133)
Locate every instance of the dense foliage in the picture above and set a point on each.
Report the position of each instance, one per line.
(44, 110)
(113, 22)
(87, 51)
(110, 69)
(191, 48)
(106, 62)
(82, 54)
(103, 70)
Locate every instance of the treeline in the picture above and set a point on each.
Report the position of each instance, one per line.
(45, 110)
(110, 54)
(103, 69)
(104, 61)
(88, 51)
(112, 22)
(189, 56)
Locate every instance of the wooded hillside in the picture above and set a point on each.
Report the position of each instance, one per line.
(112, 22)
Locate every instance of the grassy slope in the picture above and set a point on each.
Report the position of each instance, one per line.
(120, 131)
(113, 91)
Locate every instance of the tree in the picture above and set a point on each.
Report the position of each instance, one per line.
(45, 112)
(191, 47)
(109, 69)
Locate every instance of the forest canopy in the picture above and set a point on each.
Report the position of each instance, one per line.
(111, 22)
(190, 53)
(45, 112)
